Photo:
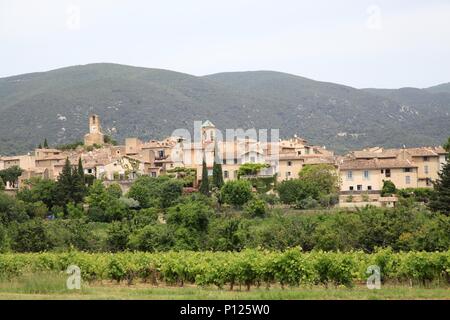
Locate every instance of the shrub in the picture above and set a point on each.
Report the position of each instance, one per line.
(236, 193)
(32, 236)
(255, 208)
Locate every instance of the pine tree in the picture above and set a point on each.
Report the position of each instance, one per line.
(204, 187)
(40, 146)
(45, 144)
(217, 170)
(441, 198)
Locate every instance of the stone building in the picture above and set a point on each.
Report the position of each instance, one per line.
(95, 135)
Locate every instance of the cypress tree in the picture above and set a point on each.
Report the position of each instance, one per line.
(80, 168)
(65, 184)
(45, 144)
(440, 200)
(217, 170)
(204, 186)
(79, 186)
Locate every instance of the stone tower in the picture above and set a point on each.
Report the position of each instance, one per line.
(208, 132)
(95, 135)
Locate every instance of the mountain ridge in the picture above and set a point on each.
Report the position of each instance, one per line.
(151, 103)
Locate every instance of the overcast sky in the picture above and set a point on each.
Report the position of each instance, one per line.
(354, 42)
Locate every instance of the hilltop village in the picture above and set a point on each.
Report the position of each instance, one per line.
(362, 173)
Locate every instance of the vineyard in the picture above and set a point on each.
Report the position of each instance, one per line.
(247, 268)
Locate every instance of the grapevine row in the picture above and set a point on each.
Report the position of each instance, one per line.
(247, 268)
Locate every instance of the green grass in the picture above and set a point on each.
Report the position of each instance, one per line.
(53, 286)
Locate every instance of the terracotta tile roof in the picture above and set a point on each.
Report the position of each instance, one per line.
(357, 164)
(423, 152)
(365, 154)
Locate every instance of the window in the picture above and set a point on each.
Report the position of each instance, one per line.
(425, 159)
(235, 174)
(388, 173)
(288, 174)
(359, 187)
(408, 179)
(289, 163)
(426, 169)
(349, 175)
(428, 181)
(382, 171)
(235, 161)
(153, 174)
(225, 174)
(224, 161)
(407, 170)
(299, 153)
(369, 188)
(350, 188)
(252, 159)
(366, 174)
(161, 153)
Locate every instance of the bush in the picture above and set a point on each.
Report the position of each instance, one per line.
(296, 190)
(32, 236)
(236, 193)
(156, 192)
(255, 208)
(306, 204)
(114, 190)
(191, 215)
(118, 236)
(152, 238)
(11, 209)
(388, 188)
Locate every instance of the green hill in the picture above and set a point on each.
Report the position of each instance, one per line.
(151, 103)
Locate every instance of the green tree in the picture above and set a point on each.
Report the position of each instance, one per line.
(226, 234)
(102, 206)
(204, 186)
(440, 200)
(2, 185)
(324, 177)
(45, 143)
(192, 215)
(161, 191)
(118, 236)
(65, 183)
(255, 208)
(32, 236)
(295, 190)
(154, 237)
(79, 185)
(236, 193)
(38, 189)
(388, 188)
(11, 209)
(11, 175)
(114, 190)
(169, 192)
(217, 175)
